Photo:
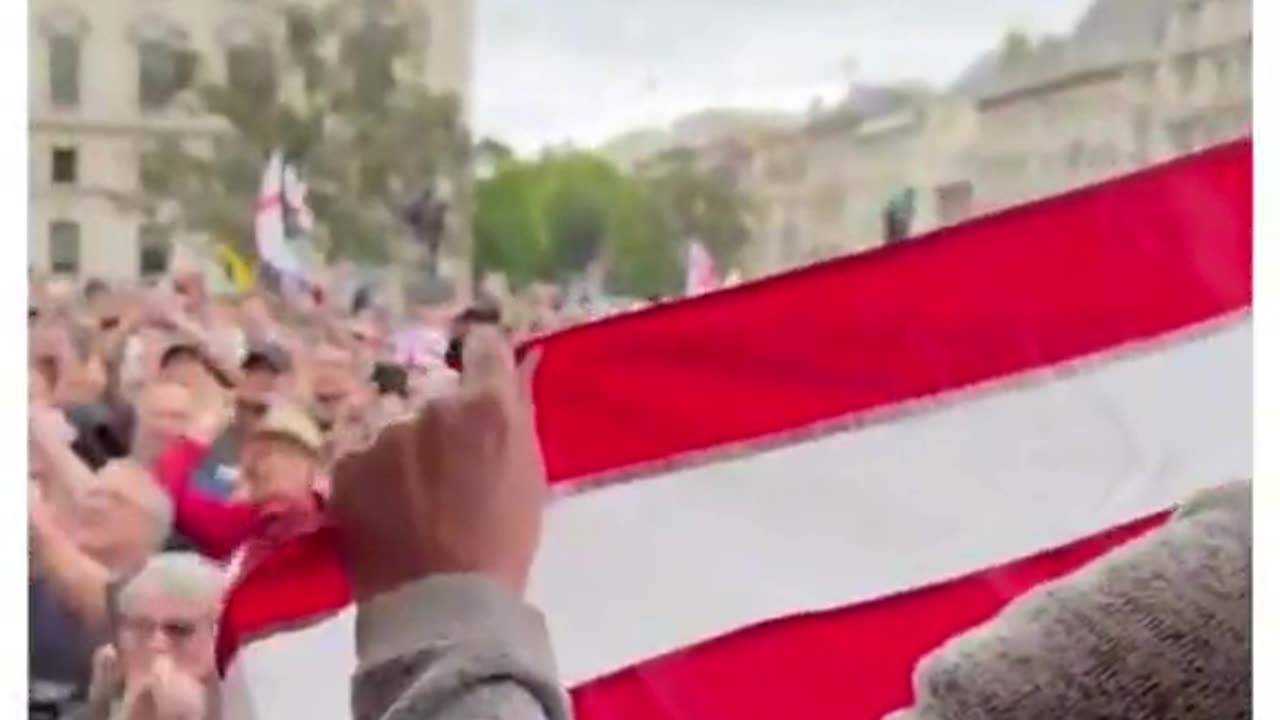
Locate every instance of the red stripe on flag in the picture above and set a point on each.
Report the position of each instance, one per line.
(298, 582)
(1121, 262)
(270, 201)
(855, 663)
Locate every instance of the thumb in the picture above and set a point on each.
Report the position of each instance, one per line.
(106, 660)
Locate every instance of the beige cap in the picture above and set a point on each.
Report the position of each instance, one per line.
(291, 422)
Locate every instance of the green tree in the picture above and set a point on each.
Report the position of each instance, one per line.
(700, 203)
(508, 223)
(1016, 47)
(646, 255)
(341, 95)
(550, 218)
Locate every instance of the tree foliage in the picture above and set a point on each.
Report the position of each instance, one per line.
(1016, 47)
(339, 91)
(549, 219)
(700, 203)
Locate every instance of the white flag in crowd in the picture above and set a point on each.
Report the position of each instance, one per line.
(282, 221)
(700, 270)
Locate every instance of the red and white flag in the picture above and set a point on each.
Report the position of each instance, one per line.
(700, 270)
(773, 502)
(283, 222)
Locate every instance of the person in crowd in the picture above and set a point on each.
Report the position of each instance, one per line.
(119, 519)
(280, 470)
(264, 375)
(391, 382)
(184, 364)
(165, 410)
(332, 385)
(159, 664)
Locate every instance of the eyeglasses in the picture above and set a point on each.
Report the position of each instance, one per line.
(176, 631)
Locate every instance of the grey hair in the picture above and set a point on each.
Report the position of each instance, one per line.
(184, 575)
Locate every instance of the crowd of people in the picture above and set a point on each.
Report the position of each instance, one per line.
(175, 437)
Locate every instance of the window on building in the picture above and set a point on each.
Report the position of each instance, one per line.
(64, 163)
(64, 70)
(251, 70)
(64, 247)
(154, 250)
(164, 70)
(1186, 70)
(1222, 68)
(1181, 136)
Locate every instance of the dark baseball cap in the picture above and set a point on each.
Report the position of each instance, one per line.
(181, 351)
(267, 356)
(190, 351)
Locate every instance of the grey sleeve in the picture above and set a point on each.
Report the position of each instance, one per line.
(1158, 628)
(454, 647)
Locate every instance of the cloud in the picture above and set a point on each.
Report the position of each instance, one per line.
(585, 70)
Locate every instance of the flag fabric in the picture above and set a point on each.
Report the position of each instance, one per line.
(772, 501)
(282, 223)
(700, 270)
(236, 268)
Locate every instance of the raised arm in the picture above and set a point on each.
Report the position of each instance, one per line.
(77, 578)
(440, 519)
(66, 474)
(216, 527)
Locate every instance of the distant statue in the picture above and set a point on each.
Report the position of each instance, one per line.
(899, 213)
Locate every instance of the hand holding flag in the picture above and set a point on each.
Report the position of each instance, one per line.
(457, 489)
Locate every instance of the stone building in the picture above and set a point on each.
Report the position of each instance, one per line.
(1138, 81)
(103, 75)
(1134, 83)
(823, 192)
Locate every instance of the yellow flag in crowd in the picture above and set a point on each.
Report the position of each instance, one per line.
(238, 269)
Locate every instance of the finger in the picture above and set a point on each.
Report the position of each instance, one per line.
(163, 669)
(526, 371)
(487, 359)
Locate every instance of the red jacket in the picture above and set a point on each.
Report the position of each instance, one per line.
(216, 527)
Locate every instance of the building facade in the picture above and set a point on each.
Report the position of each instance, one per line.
(823, 192)
(103, 78)
(1135, 83)
(1109, 100)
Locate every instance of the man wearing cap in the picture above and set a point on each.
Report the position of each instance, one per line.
(280, 463)
(263, 373)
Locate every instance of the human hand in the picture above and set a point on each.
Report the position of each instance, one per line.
(40, 514)
(212, 413)
(107, 678)
(48, 426)
(165, 693)
(458, 488)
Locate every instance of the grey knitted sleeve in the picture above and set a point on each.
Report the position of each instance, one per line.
(1156, 630)
(454, 648)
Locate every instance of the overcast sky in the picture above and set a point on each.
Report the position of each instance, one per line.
(550, 71)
